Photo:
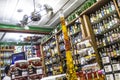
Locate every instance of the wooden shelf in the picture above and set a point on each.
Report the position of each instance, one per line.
(48, 39)
(94, 7)
(72, 22)
(7, 50)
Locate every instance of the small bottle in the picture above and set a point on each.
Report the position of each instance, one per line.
(102, 12)
(112, 20)
(105, 13)
(109, 6)
(118, 1)
(107, 9)
(112, 6)
(91, 18)
(100, 15)
(116, 18)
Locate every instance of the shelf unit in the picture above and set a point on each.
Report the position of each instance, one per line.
(104, 30)
(5, 57)
(87, 32)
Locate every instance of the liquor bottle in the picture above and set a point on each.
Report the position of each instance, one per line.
(99, 13)
(112, 20)
(118, 1)
(108, 37)
(112, 6)
(107, 9)
(114, 51)
(97, 41)
(102, 12)
(110, 33)
(116, 20)
(110, 9)
(119, 48)
(91, 18)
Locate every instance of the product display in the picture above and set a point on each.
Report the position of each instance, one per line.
(52, 58)
(5, 57)
(106, 27)
(35, 70)
(84, 46)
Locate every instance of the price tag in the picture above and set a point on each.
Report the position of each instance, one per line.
(109, 77)
(13, 76)
(39, 71)
(24, 73)
(117, 76)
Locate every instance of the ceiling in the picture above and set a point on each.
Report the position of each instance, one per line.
(12, 12)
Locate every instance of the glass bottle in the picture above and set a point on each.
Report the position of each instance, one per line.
(112, 6)
(118, 1)
(114, 50)
(109, 6)
(91, 19)
(116, 18)
(102, 12)
(99, 13)
(107, 9)
(112, 19)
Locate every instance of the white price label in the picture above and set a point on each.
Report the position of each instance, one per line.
(39, 71)
(13, 76)
(24, 73)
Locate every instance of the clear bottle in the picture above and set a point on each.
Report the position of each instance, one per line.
(105, 13)
(116, 20)
(107, 9)
(112, 6)
(102, 12)
(118, 1)
(100, 15)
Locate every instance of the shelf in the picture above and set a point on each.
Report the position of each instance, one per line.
(62, 41)
(48, 39)
(110, 43)
(116, 57)
(7, 50)
(104, 17)
(94, 7)
(108, 30)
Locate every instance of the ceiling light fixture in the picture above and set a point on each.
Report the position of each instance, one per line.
(36, 15)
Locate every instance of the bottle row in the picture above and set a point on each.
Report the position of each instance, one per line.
(5, 54)
(106, 24)
(111, 51)
(74, 27)
(105, 10)
(109, 37)
(6, 47)
(5, 62)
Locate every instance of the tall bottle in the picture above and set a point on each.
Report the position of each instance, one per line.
(118, 1)
(112, 6)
